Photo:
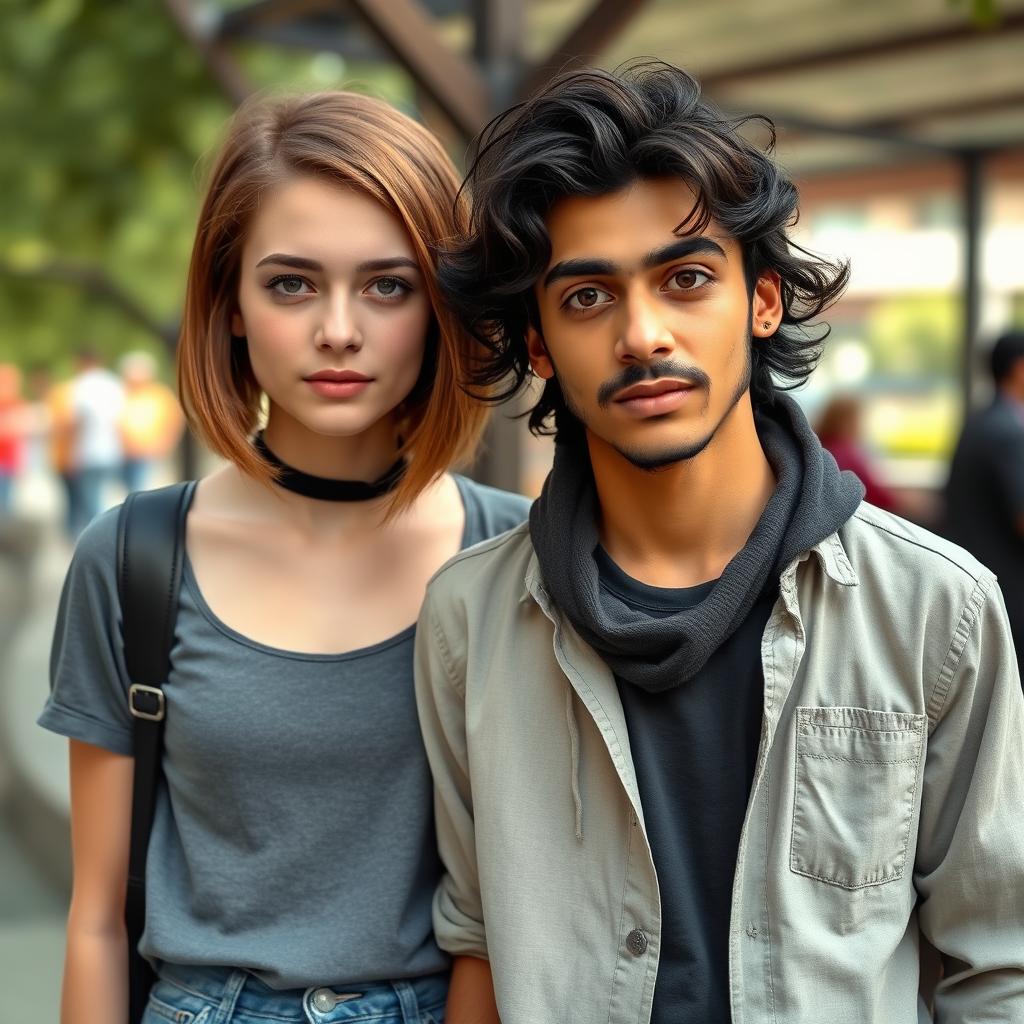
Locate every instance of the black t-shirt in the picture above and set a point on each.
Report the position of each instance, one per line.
(694, 749)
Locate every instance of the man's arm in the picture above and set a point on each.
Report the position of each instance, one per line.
(458, 908)
(969, 869)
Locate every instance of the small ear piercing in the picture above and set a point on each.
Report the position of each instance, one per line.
(766, 324)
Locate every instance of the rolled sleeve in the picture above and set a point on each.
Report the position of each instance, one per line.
(969, 869)
(440, 696)
(88, 679)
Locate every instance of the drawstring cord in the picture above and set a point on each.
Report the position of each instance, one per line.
(574, 745)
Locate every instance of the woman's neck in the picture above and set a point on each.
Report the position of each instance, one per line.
(366, 456)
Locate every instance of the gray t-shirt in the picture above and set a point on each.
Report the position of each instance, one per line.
(293, 833)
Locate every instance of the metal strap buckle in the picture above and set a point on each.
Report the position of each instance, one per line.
(146, 702)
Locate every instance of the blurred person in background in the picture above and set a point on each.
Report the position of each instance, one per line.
(12, 433)
(290, 696)
(151, 419)
(60, 431)
(840, 430)
(97, 400)
(985, 490)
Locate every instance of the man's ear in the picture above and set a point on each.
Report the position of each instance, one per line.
(766, 305)
(237, 325)
(539, 358)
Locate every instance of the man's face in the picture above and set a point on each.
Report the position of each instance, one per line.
(647, 329)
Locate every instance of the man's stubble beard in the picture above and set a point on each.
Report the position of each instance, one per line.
(651, 462)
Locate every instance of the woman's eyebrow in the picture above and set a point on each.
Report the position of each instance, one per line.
(297, 262)
(388, 263)
(302, 263)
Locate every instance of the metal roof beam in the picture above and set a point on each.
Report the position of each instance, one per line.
(810, 124)
(454, 83)
(895, 45)
(244, 21)
(950, 108)
(584, 42)
(202, 35)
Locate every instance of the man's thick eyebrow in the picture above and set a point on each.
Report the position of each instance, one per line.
(580, 268)
(684, 247)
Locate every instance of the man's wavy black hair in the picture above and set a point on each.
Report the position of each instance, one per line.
(591, 132)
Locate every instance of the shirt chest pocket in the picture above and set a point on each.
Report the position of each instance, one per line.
(856, 789)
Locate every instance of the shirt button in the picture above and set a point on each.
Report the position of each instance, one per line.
(636, 942)
(323, 1000)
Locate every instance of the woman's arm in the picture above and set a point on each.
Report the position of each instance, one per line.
(96, 963)
(471, 996)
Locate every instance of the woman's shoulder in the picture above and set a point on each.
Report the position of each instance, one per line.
(489, 510)
(96, 545)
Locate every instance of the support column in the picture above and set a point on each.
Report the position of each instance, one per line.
(973, 164)
(498, 41)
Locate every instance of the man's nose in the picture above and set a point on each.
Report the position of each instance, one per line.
(645, 334)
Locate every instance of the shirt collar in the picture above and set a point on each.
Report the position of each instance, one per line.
(830, 553)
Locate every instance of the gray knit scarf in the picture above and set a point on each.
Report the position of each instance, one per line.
(812, 499)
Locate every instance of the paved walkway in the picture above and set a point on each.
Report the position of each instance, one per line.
(34, 854)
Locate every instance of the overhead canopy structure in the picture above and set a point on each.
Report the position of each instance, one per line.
(850, 85)
(930, 75)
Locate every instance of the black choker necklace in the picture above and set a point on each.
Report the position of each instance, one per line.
(324, 489)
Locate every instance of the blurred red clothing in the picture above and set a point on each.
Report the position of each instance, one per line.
(849, 455)
(12, 441)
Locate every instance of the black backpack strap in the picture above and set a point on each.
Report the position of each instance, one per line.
(150, 553)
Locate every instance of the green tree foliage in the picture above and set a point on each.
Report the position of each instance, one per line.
(106, 111)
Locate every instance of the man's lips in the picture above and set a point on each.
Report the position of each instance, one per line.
(651, 389)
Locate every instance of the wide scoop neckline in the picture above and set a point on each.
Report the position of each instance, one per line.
(404, 635)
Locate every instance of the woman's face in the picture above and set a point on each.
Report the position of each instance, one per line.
(333, 306)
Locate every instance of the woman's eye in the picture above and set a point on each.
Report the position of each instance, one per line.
(688, 280)
(388, 287)
(286, 285)
(588, 298)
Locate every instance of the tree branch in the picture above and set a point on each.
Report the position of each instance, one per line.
(97, 285)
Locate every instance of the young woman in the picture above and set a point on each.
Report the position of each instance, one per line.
(292, 859)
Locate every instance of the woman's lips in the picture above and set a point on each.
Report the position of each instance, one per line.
(338, 384)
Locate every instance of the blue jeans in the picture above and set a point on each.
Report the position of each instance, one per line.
(219, 995)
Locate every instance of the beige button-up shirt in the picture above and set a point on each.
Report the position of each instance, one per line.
(887, 801)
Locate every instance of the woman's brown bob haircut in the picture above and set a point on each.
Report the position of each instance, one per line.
(358, 142)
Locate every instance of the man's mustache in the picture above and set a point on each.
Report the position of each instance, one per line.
(651, 371)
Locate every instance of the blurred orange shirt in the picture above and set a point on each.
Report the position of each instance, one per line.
(61, 417)
(151, 421)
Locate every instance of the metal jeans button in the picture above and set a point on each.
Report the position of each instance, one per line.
(636, 942)
(323, 1000)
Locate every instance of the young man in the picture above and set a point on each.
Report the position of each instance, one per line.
(713, 739)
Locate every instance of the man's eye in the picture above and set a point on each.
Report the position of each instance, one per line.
(588, 298)
(688, 280)
(388, 287)
(290, 285)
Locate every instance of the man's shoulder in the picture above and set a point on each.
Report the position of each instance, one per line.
(496, 567)
(876, 538)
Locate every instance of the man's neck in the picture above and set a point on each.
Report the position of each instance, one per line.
(680, 526)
